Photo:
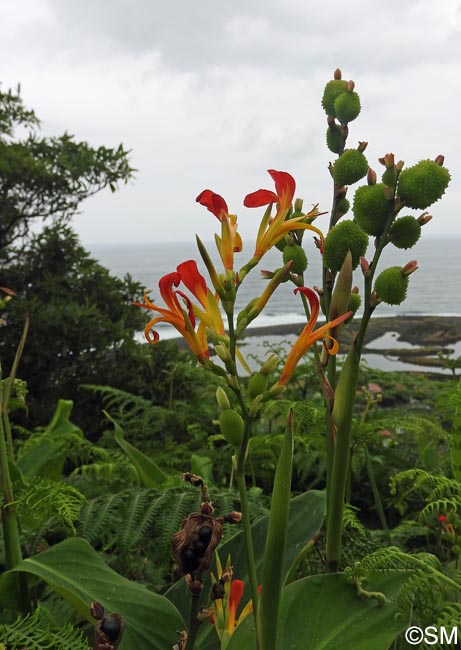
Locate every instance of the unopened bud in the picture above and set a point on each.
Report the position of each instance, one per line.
(400, 165)
(371, 176)
(276, 389)
(330, 169)
(337, 74)
(270, 365)
(298, 205)
(362, 146)
(424, 218)
(439, 160)
(350, 86)
(355, 290)
(319, 290)
(222, 399)
(388, 160)
(410, 267)
(374, 300)
(365, 266)
(223, 352)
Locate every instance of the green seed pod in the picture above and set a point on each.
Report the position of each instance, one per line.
(391, 285)
(232, 426)
(350, 167)
(345, 236)
(342, 207)
(405, 232)
(354, 303)
(334, 139)
(294, 253)
(371, 208)
(389, 177)
(257, 384)
(333, 88)
(423, 184)
(347, 106)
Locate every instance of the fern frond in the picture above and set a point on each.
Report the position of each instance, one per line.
(31, 633)
(45, 499)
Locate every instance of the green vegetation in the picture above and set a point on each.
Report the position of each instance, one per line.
(335, 487)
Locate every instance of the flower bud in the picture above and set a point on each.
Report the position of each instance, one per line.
(232, 426)
(257, 384)
(424, 218)
(223, 352)
(337, 74)
(371, 176)
(270, 365)
(222, 399)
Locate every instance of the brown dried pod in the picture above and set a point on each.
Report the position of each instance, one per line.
(193, 546)
(109, 632)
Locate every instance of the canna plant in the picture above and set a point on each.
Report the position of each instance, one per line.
(197, 315)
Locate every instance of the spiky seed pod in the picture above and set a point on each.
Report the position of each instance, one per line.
(257, 384)
(391, 285)
(295, 254)
(371, 208)
(389, 177)
(232, 426)
(343, 237)
(347, 106)
(185, 542)
(355, 301)
(405, 232)
(333, 88)
(423, 184)
(342, 206)
(334, 138)
(350, 167)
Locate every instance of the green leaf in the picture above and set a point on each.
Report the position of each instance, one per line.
(203, 466)
(47, 457)
(76, 572)
(276, 541)
(149, 472)
(304, 521)
(324, 613)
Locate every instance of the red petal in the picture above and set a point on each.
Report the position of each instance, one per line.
(259, 198)
(214, 202)
(236, 593)
(284, 183)
(191, 277)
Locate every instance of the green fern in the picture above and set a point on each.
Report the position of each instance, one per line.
(45, 500)
(32, 633)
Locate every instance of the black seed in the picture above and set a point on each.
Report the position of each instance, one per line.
(189, 560)
(204, 533)
(200, 547)
(111, 628)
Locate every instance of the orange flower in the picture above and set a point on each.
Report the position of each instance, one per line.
(309, 336)
(183, 316)
(230, 241)
(271, 231)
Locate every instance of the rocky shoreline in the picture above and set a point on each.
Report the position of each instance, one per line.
(416, 339)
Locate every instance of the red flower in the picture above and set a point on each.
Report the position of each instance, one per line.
(271, 231)
(230, 241)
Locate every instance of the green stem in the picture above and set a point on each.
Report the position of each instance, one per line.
(242, 454)
(13, 553)
(194, 623)
(376, 495)
(304, 552)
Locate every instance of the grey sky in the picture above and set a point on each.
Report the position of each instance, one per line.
(211, 94)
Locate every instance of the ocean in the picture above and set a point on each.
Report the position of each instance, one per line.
(434, 288)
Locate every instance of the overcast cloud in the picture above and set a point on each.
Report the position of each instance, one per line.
(212, 94)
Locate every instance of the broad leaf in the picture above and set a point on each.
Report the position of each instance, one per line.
(149, 472)
(76, 572)
(324, 613)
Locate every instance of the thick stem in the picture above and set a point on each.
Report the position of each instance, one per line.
(194, 622)
(13, 553)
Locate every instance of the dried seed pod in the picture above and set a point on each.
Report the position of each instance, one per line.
(193, 546)
(109, 632)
